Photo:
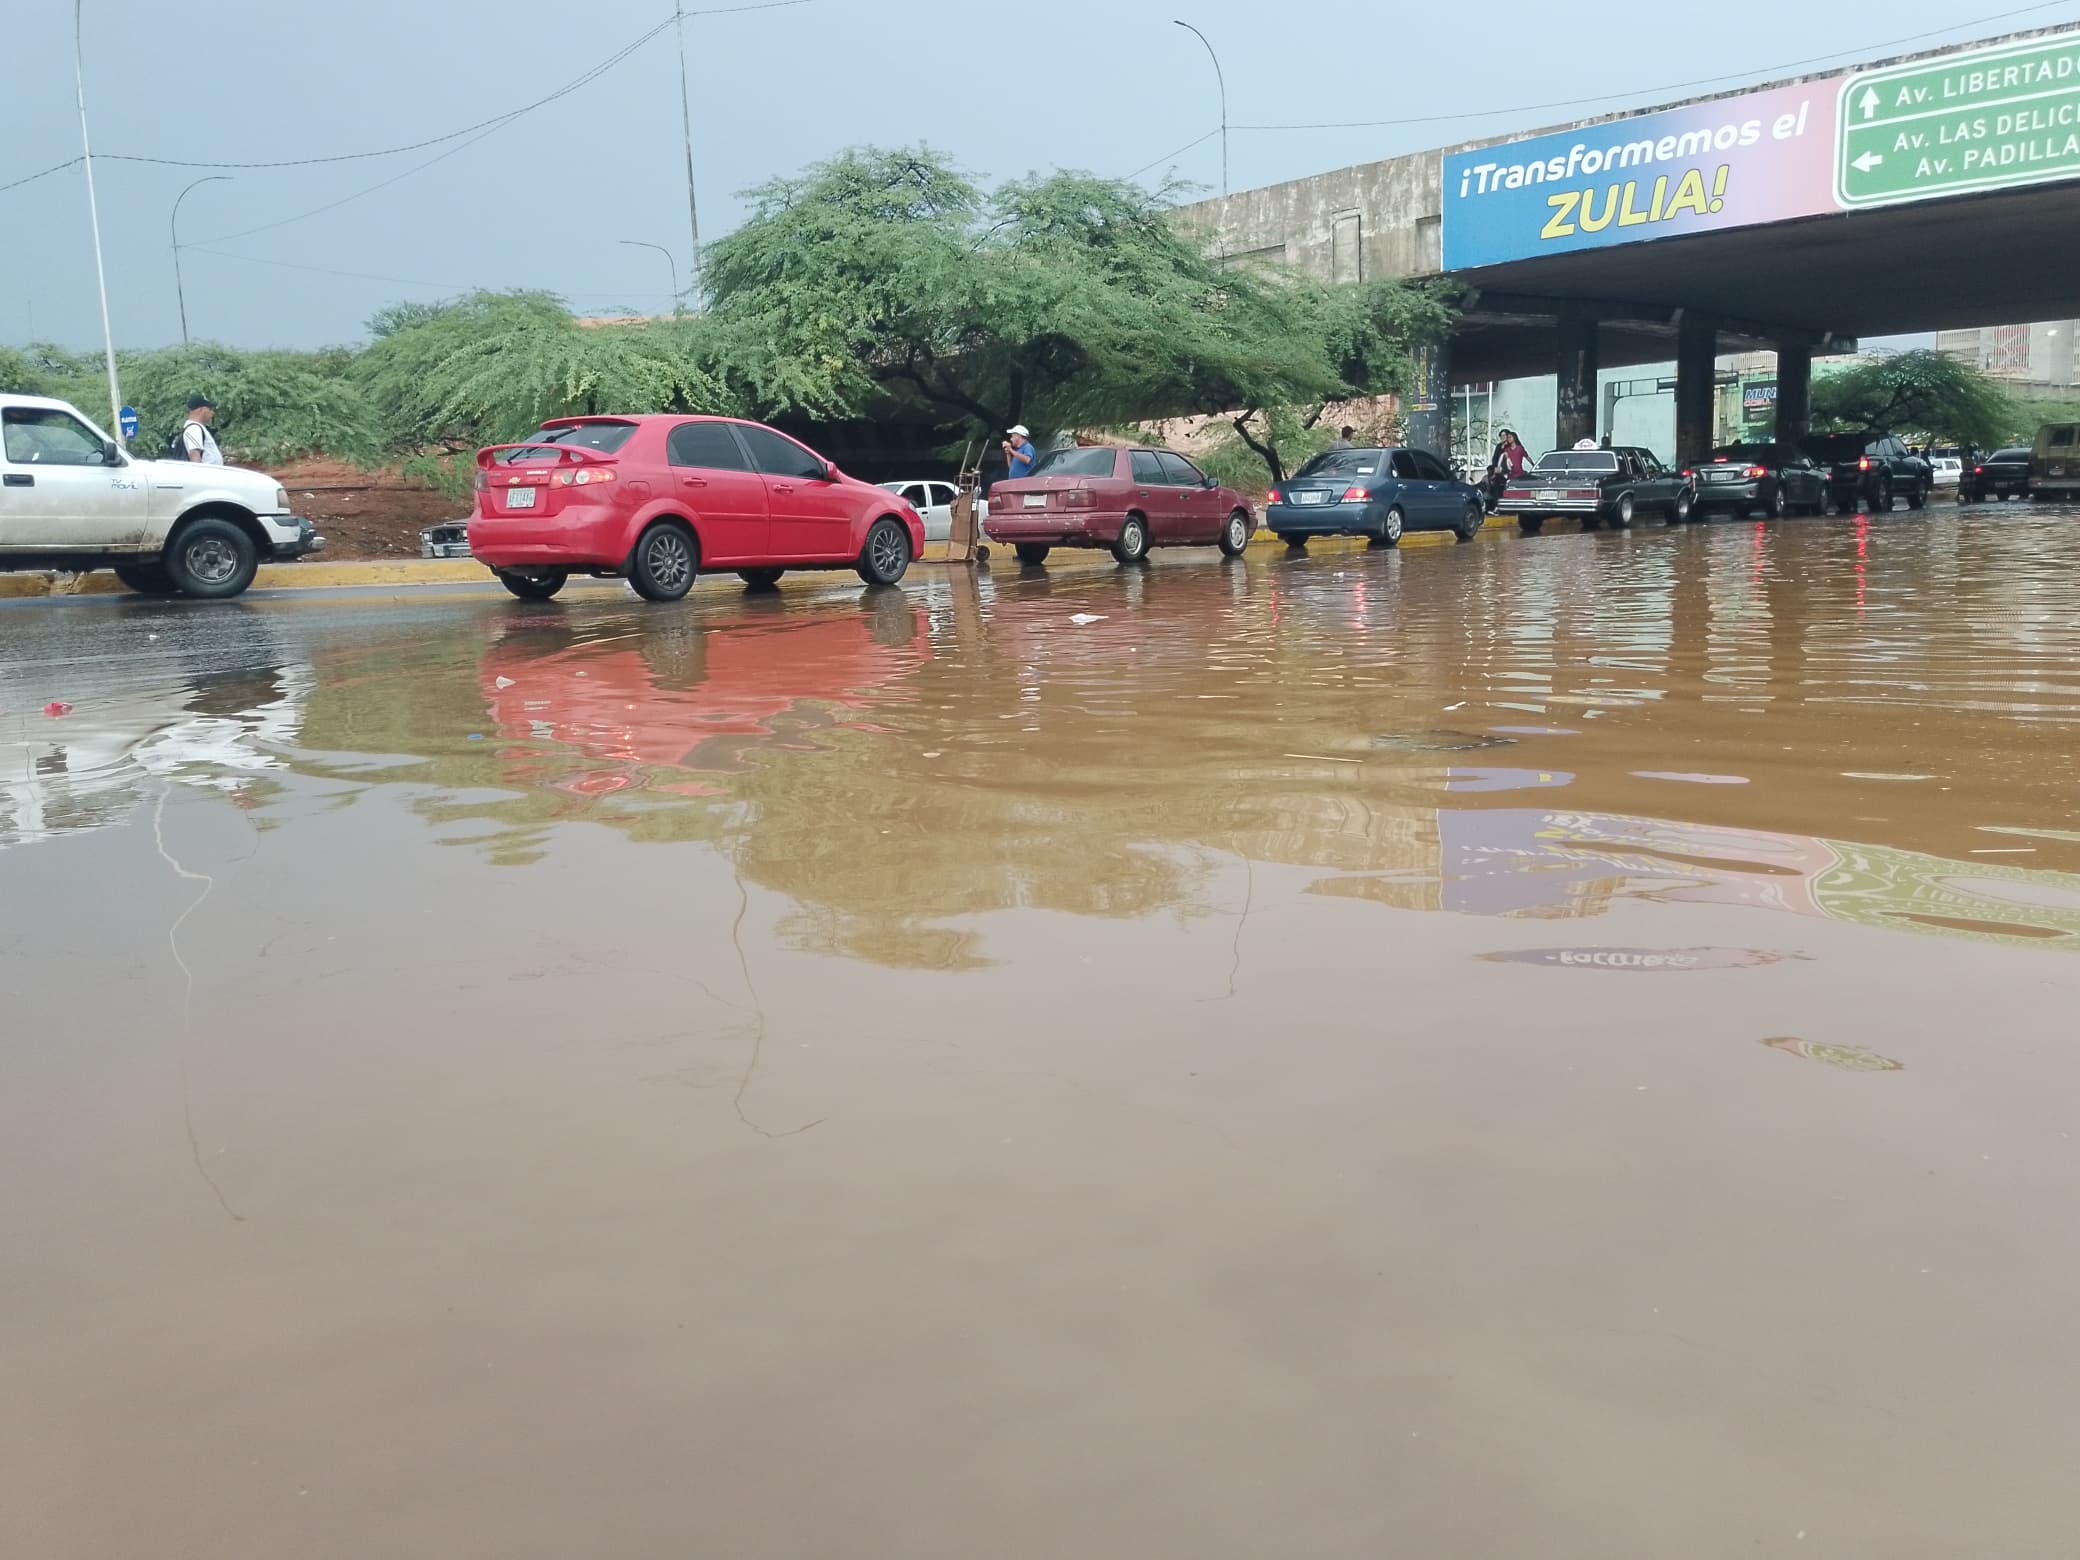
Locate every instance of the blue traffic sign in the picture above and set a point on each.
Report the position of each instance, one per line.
(127, 420)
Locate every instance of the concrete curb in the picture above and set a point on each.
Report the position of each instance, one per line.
(319, 574)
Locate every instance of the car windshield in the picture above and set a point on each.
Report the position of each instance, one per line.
(1840, 446)
(1342, 463)
(1600, 462)
(605, 437)
(1090, 461)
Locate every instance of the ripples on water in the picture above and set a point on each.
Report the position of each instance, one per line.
(1883, 706)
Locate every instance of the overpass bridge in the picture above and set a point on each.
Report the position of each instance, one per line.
(1928, 191)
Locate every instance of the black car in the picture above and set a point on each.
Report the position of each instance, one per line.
(1378, 493)
(1599, 485)
(1771, 479)
(1874, 469)
(2003, 474)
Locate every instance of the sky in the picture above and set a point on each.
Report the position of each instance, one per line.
(548, 199)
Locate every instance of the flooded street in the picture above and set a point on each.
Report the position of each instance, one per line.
(1559, 1046)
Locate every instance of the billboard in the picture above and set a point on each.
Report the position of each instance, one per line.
(1978, 119)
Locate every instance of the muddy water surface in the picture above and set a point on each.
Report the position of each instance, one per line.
(1556, 1047)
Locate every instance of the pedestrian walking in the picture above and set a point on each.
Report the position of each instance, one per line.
(1343, 440)
(1506, 465)
(196, 441)
(1019, 454)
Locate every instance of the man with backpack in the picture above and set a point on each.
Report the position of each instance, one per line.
(195, 442)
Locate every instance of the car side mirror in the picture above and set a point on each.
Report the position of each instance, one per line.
(110, 455)
(828, 474)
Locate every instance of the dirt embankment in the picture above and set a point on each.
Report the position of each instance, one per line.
(365, 514)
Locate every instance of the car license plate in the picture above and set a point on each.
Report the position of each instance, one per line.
(1549, 495)
(1309, 498)
(2058, 471)
(1721, 476)
(1036, 500)
(520, 498)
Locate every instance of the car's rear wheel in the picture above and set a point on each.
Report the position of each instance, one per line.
(1530, 525)
(1679, 511)
(1471, 520)
(884, 558)
(664, 563)
(1918, 497)
(1032, 552)
(1779, 502)
(211, 559)
(147, 579)
(1132, 545)
(760, 579)
(1235, 534)
(533, 584)
(1295, 544)
(1881, 501)
(1390, 529)
(1621, 517)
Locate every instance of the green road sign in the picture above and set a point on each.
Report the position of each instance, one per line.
(1977, 121)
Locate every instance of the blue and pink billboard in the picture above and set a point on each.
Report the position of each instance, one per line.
(1733, 162)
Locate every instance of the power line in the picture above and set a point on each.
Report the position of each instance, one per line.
(1167, 156)
(1676, 86)
(70, 162)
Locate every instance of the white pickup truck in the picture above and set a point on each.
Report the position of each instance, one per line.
(70, 498)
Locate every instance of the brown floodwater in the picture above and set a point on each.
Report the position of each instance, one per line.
(1557, 1047)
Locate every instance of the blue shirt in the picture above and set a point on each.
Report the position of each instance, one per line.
(1022, 458)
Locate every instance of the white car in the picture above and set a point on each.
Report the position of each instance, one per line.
(1949, 470)
(70, 498)
(933, 502)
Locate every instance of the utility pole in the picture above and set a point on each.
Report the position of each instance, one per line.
(108, 335)
(1222, 80)
(173, 224)
(693, 209)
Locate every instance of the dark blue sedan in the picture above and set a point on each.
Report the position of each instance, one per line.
(1378, 493)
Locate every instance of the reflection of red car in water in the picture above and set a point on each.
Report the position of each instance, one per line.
(691, 696)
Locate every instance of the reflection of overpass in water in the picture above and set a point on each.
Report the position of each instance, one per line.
(1934, 190)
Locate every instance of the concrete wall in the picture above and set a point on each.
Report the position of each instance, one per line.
(1352, 225)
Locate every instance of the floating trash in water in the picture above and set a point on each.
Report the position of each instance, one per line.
(57, 707)
(1853, 1058)
(1083, 619)
(1688, 779)
(1438, 741)
(1640, 958)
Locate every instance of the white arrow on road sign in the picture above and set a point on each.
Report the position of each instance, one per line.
(1869, 105)
(1867, 162)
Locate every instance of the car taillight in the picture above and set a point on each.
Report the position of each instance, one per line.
(1273, 498)
(1582, 493)
(1688, 472)
(1719, 460)
(1079, 498)
(583, 476)
(1356, 495)
(483, 480)
(1758, 471)
(1864, 464)
(1978, 471)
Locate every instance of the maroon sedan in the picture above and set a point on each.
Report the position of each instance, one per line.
(1119, 497)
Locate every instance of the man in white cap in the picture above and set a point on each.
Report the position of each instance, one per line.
(1019, 453)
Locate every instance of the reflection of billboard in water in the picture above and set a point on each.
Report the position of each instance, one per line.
(1524, 862)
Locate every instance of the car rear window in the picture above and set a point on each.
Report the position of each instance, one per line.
(1579, 460)
(1746, 452)
(2017, 453)
(605, 437)
(1087, 461)
(1343, 463)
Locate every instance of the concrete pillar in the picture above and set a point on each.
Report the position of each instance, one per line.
(1426, 413)
(1697, 397)
(1575, 404)
(1794, 391)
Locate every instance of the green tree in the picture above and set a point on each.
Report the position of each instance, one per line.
(1921, 392)
(883, 279)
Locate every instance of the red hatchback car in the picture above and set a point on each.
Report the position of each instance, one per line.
(656, 499)
(1119, 497)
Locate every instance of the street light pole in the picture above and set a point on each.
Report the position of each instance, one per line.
(173, 223)
(637, 243)
(693, 210)
(108, 335)
(1222, 79)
